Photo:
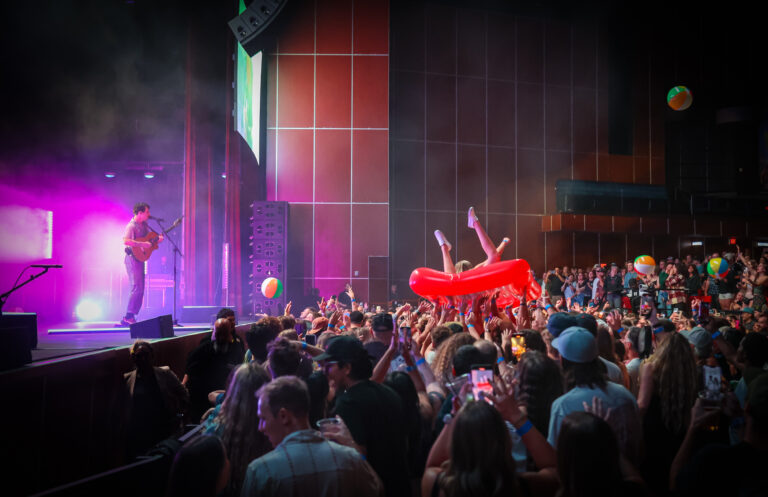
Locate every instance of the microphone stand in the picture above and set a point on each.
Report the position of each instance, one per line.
(4, 297)
(175, 251)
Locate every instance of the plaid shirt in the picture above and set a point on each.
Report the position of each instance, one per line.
(306, 463)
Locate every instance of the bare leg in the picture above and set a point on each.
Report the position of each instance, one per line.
(448, 266)
(445, 248)
(502, 246)
(488, 247)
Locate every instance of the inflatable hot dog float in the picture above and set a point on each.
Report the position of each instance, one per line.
(510, 278)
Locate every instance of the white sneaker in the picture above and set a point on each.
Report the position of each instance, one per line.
(471, 217)
(441, 239)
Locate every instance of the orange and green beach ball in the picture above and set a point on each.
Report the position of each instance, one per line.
(679, 98)
(645, 264)
(272, 288)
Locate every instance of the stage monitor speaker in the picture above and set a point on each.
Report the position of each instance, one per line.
(159, 327)
(250, 26)
(15, 351)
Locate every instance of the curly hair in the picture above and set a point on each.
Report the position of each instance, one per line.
(238, 423)
(541, 382)
(675, 381)
(442, 366)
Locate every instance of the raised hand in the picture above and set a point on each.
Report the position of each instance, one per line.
(598, 408)
(287, 311)
(335, 317)
(346, 320)
(322, 304)
(505, 402)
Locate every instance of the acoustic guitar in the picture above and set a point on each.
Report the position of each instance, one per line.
(142, 253)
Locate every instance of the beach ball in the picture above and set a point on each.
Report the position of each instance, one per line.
(272, 288)
(645, 264)
(717, 267)
(679, 98)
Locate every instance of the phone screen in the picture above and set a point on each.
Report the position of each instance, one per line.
(712, 377)
(405, 335)
(517, 342)
(482, 381)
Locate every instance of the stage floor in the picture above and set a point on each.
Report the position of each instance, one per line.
(68, 339)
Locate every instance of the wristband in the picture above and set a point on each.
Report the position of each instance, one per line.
(331, 326)
(716, 334)
(341, 328)
(303, 345)
(547, 307)
(408, 369)
(525, 428)
(658, 330)
(353, 300)
(421, 361)
(499, 360)
(461, 314)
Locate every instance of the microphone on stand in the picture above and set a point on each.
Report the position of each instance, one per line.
(47, 266)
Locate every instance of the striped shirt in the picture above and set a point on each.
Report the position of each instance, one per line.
(306, 463)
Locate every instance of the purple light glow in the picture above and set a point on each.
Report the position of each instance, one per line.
(87, 242)
(149, 175)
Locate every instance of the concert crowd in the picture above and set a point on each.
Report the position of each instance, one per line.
(612, 383)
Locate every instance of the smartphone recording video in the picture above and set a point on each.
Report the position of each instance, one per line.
(482, 382)
(405, 335)
(517, 343)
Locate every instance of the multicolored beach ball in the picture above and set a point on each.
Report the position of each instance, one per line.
(272, 288)
(717, 267)
(645, 264)
(679, 98)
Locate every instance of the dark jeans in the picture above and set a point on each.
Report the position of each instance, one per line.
(135, 270)
(614, 298)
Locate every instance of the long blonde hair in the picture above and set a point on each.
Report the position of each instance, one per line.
(675, 381)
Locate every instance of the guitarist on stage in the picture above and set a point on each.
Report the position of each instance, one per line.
(136, 229)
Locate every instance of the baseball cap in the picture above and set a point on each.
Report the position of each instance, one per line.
(698, 337)
(343, 348)
(576, 344)
(558, 322)
(747, 310)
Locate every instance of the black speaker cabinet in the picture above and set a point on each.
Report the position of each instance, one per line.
(159, 327)
(18, 334)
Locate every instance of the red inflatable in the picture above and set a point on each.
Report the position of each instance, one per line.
(510, 278)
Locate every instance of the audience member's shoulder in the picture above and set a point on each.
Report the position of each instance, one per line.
(345, 454)
(618, 391)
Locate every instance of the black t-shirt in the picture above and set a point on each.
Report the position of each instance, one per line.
(344, 299)
(376, 350)
(374, 415)
(613, 284)
(722, 470)
(208, 370)
(554, 285)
